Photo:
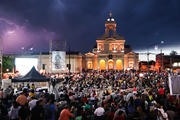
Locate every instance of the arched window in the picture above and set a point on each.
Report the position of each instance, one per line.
(110, 65)
(102, 65)
(119, 65)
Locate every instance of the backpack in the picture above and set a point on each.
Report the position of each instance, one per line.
(47, 112)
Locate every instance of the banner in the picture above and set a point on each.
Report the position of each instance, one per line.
(174, 83)
(58, 60)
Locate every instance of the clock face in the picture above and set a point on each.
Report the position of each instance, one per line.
(112, 19)
(108, 19)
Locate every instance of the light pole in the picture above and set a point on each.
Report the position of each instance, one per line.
(161, 53)
(148, 59)
(162, 61)
(69, 66)
(1, 59)
(1, 64)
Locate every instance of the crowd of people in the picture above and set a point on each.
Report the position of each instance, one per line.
(107, 95)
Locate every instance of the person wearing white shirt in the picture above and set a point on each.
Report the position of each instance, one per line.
(32, 103)
(99, 112)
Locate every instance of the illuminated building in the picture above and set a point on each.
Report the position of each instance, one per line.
(111, 53)
(143, 66)
(167, 62)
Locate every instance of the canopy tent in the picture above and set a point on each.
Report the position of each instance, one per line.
(32, 76)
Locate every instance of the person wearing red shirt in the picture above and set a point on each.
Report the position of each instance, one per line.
(161, 91)
(65, 113)
(135, 90)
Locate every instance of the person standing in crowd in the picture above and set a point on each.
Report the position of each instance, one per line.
(32, 93)
(107, 95)
(120, 116)
(22, 99)
(32, 86)
(50, 110)
(32, 102)
(161, 91)
(37, 113)
(14, 111)
(1, 93)
(99, 112)
(3, 110)
(53, 82)
(66, 114)
(24, 112)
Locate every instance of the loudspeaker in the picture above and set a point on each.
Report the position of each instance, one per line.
(43, 66)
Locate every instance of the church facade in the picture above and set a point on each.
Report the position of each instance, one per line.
(111, 52)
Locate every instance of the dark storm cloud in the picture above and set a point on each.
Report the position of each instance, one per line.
(80, 22)
(148, 22)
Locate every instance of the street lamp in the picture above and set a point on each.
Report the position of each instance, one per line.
(31, 49)
(162, 61)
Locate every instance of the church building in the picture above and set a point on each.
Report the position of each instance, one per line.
(111, 52)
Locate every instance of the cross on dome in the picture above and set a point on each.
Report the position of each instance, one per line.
(110, 14)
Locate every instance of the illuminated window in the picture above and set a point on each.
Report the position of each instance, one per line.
(110, 64)
(114, 47)
(119, 65)
(102, 65)
(90, 65)
(110, 46)
(100, 47)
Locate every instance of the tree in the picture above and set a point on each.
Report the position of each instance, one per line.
(7, 64)
(173, 53)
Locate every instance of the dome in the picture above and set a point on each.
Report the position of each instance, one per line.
(112, 19)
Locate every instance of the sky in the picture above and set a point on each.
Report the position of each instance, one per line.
(29, 25)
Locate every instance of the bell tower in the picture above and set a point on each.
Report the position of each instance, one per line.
(110, 53)
(110, 26)
(110, 47)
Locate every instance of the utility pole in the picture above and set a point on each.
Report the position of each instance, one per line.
(1, 64)
(162, 63)
(50, 56)
(148, 60)
(69, 65)
(1, 59)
